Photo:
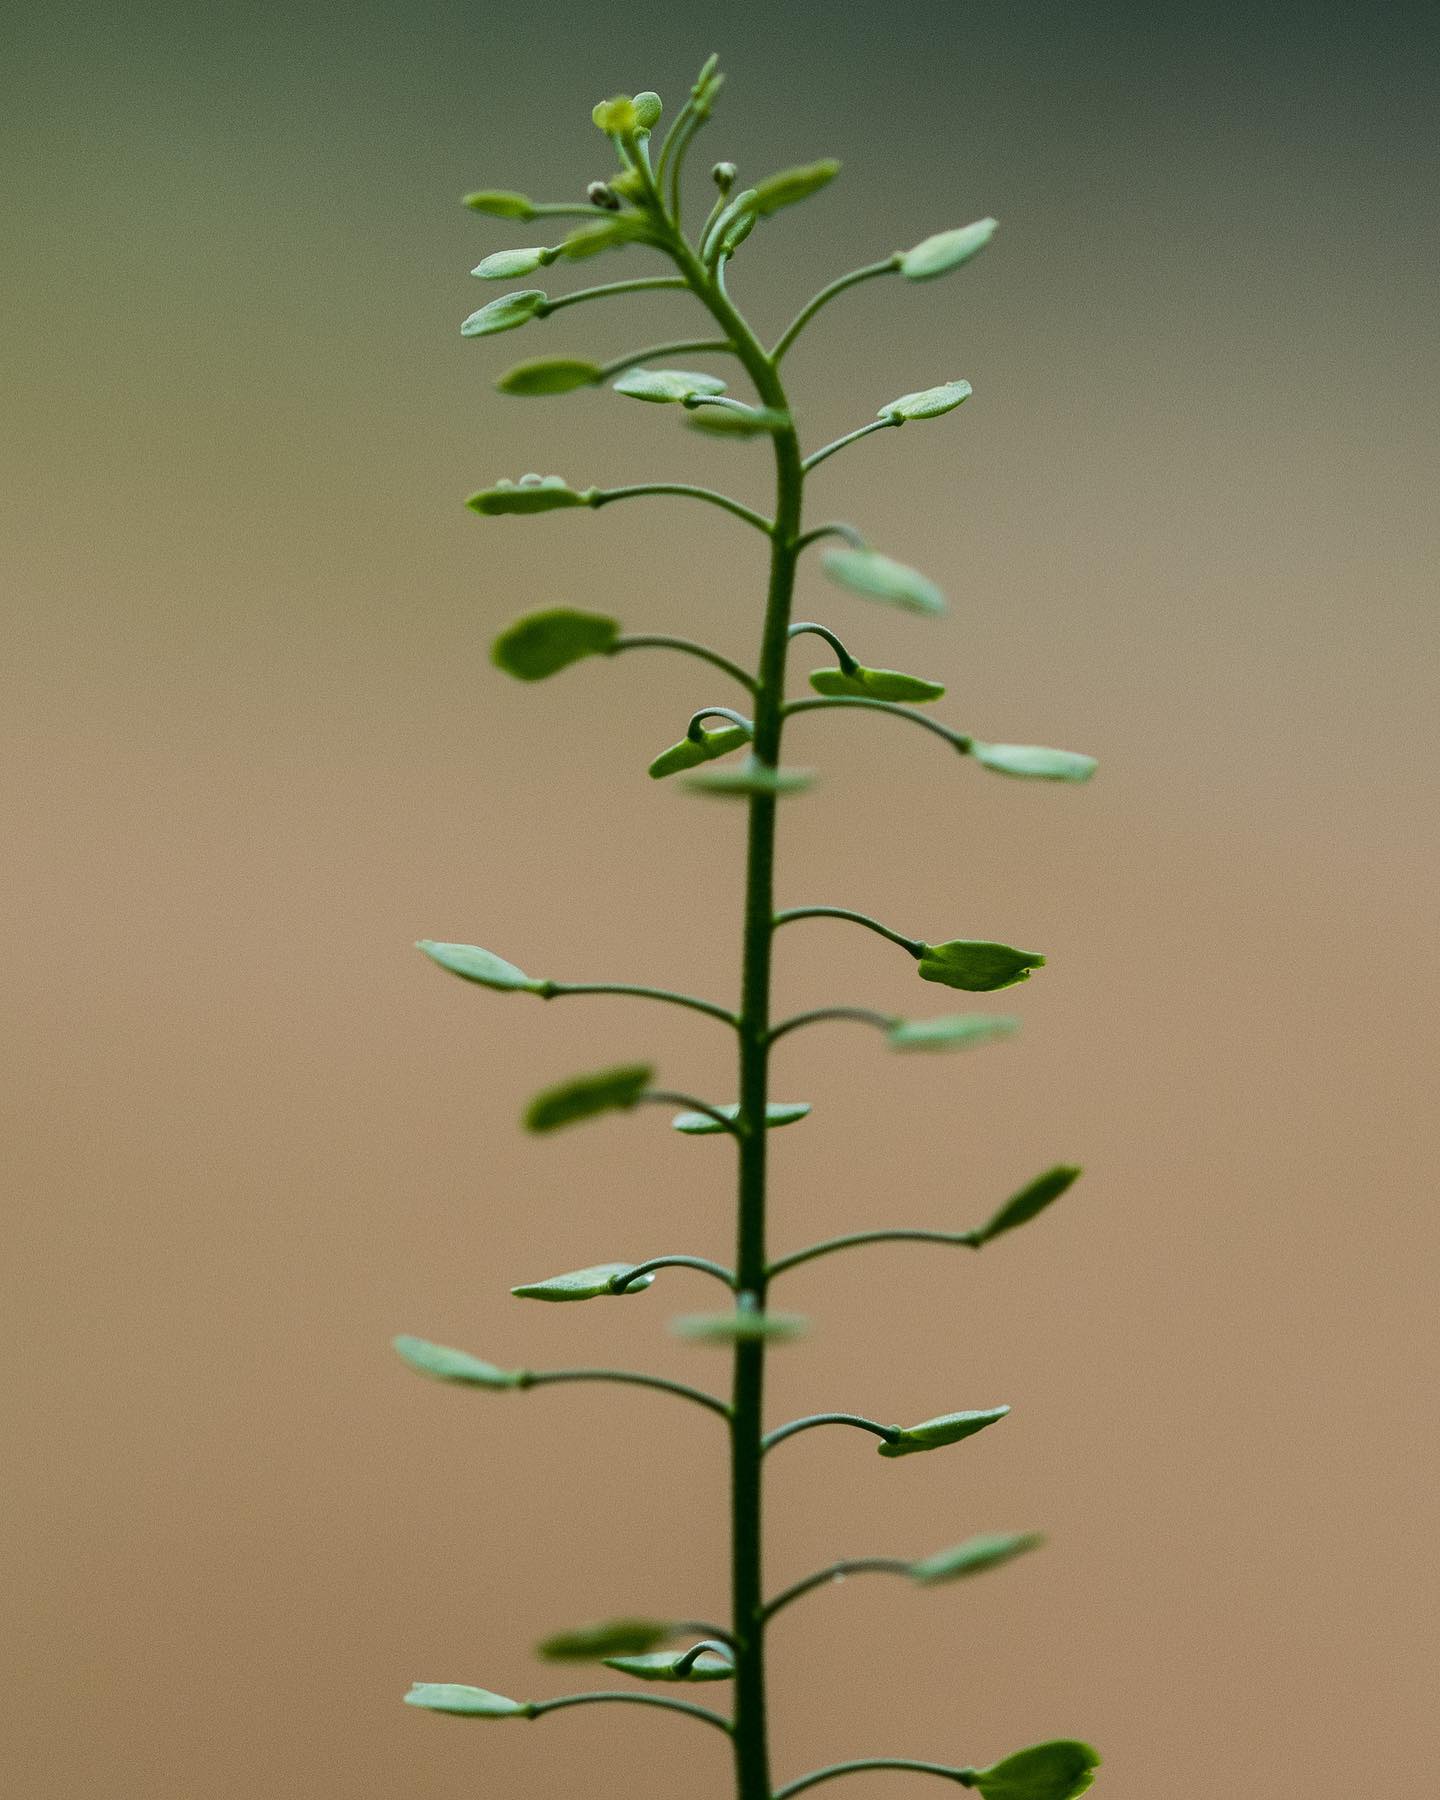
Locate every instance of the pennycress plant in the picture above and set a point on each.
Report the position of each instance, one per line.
(735, 752)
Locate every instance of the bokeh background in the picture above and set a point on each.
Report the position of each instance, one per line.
(253, 747)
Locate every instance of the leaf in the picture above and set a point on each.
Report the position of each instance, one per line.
(454, 1365)
(950, 1031)
(974, 1556)
(778, 1112)
(790, 185)
(744, 780)
(740, 1327)
(482, 966)
(550, 375)
(929, 403)
(584, 1284)
(875, 684)
(1020, 1208)
(1057, 1771)
(530, 494)
(666, 386)
(665, 1666)
(611, 1090)
(688, 754)
(471, 1702)
(610, 1637)
(729, 421)
(499, 205)
(508, 265)
(950, 1428)
(543, 643)
(947, 250)
(1034, 761)
(880, 577)
(977, 967)
(505, 313)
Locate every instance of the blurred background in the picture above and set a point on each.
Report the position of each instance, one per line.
(254, 747)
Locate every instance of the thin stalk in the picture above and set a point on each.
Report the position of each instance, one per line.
(816, 1776)
(854, 1238)
(913, 945)
(814, 460)
(835, 529)
(859, 1015)
(652, 1263)
(824, 297)
(862, 1565)
(958, 740)
(670, 1097)
(651, 640)
(539, 1707)
(890, 1433)
(846, 661)
(604, 496)
(687, 347)
(639, 286)
(554, 990)
(629, 1378)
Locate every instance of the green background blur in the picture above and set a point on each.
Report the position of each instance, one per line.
(253, 747)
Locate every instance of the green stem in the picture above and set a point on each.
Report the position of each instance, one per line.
(862, 1565)
(658, 641)
(554, 990)
(816, 1776)
(836, 529)
(914, 945)
(890, 1433)
(825, 296)
(652, 1263)
(628, 1378)
(860, 1015)
(813, 461)
(847, 662)
(958, 740)
(539, 1707)
(669, 1097)
(687, 347)
(647, 282)
(603, 497)
(853, 1238)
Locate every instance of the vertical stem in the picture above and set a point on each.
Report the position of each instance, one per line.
(752, 1762)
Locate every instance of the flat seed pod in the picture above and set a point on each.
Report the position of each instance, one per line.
(974, 1556)
(473, 964)
(1035, 761)
(740, 1327)
(1062, 1770)
(666, 386)
(531, 494)
(550, 375)
(611, 1090)
(665, 1666)
(876, 684)
(880, 577)
(790, 185)
(498, 205)
(543, 643)
(951, 1031)
(470, 1702)
(505, 313)
(929, 403)
(1020, 1208)
(590, 240)
(610, 1637)
(688, 754)
(509, 265)
(445, 1364)
(584, 1284)
(743, 780)
(978, 968)
(947, 250)
(934, 1434)
(778, 1112)
(727, 421)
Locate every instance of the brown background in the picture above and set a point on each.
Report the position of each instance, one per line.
(254, 747)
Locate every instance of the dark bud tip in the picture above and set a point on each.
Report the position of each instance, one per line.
(600, 193)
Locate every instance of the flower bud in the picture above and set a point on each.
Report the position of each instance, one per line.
(723, 175)
(600, 193)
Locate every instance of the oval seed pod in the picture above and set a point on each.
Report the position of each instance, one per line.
(875, 684)
(934, 1434)
(1034, 761)
(879, 577)
(648, 108)
(550, 375)
(610, 1637)
(531, 494)
(740, 1327)
(977, 967)
(929, 403)
(543, 643)
(947, 250)
(666, 386)
(1061, 1770)
(951, 1031)
(790, 185)
(444, 1364)
(482, 966)
(504, 314)
(584, 1284)
(496, 204)
(778, 1112)
(1020, 1208)
(470, 1702)
(742, 781)
(506, 265)
(688, 754)
(729, 421)
(666, 1666)
(986, 1551)
(611, 1090)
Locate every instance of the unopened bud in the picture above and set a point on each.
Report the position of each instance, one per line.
(600, 193)
(723, 175)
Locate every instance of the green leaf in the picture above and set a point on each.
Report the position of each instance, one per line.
(505, 313)
(778, 1112)
(740, 1327)
(880, 577)
(951, 1031)
(550, 375)
(875, 684)
(508, 265)
(543, 643)
(728, 421)
(665, 1666)
(947, 250)
(1020, 1208)
(791, 185)
(454, 1365)
(611, 1090)
(950, 1428)
(499, 205)
(688, 754)
(751, 777)
(929, 403)
(666, 385)
(471, 1702)
(610, 1637)
(1062, 1770)
(978, 968)
(1034, 761)
(584, 1284)
(482, 966)
(530, 494)
(974, 1556)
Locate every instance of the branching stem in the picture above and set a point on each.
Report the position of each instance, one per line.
(860, 1015)
(824, 297)
(651, 1264)
(555, 990)
(603, 497)
(854, 1238)
(651, 640)
(890, 1433)
(915, 946)
(863, 1565)
(540, 1707)
(817, 457)
(957, 740)
(628, 1378)
(816, 1776)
